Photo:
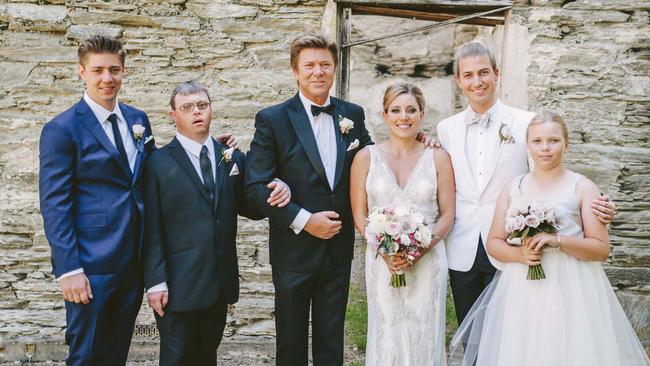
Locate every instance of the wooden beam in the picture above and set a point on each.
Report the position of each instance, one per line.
(343, 30)
(420, 15)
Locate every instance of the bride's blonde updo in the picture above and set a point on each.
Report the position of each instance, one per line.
(550, 117)
(395, 90)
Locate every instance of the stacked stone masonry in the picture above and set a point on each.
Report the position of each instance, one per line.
(588, 59)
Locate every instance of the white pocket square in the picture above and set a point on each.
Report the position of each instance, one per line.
(146, 141)
(353, 145)
(234, 170)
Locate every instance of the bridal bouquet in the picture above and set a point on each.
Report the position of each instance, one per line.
(395, 229)
(527, 218)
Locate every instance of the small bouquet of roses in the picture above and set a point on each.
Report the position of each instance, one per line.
(527, 218)
(395, 229)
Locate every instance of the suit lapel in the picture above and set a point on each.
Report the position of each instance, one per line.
(462, 135)
(184, 162)
(302, 126)
(130, 118)
(91, 123)
(221, 171)
(340, 143)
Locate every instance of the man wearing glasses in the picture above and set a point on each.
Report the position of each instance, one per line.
(193, 192)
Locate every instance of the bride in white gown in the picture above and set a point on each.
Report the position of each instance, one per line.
(406, 325)
(570, 318)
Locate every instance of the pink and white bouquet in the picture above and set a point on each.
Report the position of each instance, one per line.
(526, 219)
(395, 229)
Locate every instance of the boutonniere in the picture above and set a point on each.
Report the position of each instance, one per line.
(226, 155)
(345, 124)
(138, 131)
(505, 134)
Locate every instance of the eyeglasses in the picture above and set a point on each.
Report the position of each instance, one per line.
(189, 107)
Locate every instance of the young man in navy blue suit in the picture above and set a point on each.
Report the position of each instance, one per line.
(91, 201)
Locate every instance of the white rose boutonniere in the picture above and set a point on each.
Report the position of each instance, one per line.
(505, 134)
(138, 131)
(345, 124)
(226, 155)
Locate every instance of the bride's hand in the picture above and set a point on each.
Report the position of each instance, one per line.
(396, 262)
(528, 255)
(538, 241)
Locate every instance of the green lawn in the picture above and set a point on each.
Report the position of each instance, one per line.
(357, 314)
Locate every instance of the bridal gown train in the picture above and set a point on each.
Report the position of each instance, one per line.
(571, 318)
(406, 325)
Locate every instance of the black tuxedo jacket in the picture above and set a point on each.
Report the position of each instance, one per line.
(189, 240)
(284, 146)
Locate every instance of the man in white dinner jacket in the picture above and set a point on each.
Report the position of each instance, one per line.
(487, 145)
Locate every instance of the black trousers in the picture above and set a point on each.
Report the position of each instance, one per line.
(467, 286)
(192, 337)
(325, 291)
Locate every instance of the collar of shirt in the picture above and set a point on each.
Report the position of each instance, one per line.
(308, 103)
(492, 112)
(102, 113)
(194, 147)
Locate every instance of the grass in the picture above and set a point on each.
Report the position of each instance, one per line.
(356, 320)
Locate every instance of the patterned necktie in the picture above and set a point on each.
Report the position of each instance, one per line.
(117, 136)
(316, 110)
(206, 172)
(482, 120)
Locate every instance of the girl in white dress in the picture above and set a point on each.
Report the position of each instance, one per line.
(406, 325)
(570, 318)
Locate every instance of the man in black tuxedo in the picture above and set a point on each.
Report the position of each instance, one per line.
(193, 192)
(309, 142)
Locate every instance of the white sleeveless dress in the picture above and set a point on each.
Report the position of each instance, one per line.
(406, 325)
(571, 318)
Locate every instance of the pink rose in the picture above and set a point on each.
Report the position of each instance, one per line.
(393, 228)
(532, 221)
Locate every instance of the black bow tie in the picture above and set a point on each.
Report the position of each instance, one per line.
(316, 110)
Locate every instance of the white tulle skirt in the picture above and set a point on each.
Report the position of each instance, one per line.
(571, 318)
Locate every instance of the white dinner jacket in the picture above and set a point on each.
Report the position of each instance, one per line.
(475, 206)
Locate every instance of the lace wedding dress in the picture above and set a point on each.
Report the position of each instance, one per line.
(571, 318)
(406, 325)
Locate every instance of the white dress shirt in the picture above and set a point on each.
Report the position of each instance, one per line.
(193, 151)
(482, 143)
(325, 135)
(102, 114)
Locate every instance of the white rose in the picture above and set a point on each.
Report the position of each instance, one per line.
(346, 125)
(512, 211)
(550, 216)
(423, 235)
(138, 131)
(405, 240)
(227, 154)
(522, 207)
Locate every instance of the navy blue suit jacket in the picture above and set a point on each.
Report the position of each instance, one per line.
(91, 203)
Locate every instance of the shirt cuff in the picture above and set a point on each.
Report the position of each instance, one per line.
(300, 221)
(71, 273)
(158, 288)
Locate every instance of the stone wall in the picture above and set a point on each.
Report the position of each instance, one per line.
(589, 60)
(238, 49)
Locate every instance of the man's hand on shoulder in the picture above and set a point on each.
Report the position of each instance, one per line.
(323, 225)
(158, 301)
(76, 288)
(429, 141)
(228, 139)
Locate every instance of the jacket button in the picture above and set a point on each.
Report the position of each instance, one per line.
(332, 195)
